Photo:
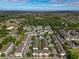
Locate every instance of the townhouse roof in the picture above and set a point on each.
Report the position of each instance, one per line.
(19, 49)
(58, 46)
(63, 33)
(40, 51)
(8, 45)
(47, 27)
(74, 33)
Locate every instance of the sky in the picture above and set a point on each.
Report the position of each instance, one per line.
(42, 5)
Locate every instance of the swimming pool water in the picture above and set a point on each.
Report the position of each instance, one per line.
(43, 5)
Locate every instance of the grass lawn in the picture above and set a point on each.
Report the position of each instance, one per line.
(74, 53)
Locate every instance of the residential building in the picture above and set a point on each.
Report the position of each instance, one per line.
(8, 48)
(40, 53)
(58, 46)
(74, 35)
(64, 34)
(48, 29)
(19, 50)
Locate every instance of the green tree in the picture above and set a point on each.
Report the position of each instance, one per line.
(2, 55)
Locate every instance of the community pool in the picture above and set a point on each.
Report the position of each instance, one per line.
(40, 5)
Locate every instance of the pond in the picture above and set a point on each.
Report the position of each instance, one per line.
(40, 5)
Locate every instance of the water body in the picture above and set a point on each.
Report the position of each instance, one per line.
(42, 5)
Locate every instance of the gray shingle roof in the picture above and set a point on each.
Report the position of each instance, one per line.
(40, 51)
(58, 46)
(8, 45)
(19, 48)
(63, 33)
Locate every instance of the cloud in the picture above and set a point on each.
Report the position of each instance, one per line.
(73, 3)
(56, 1)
